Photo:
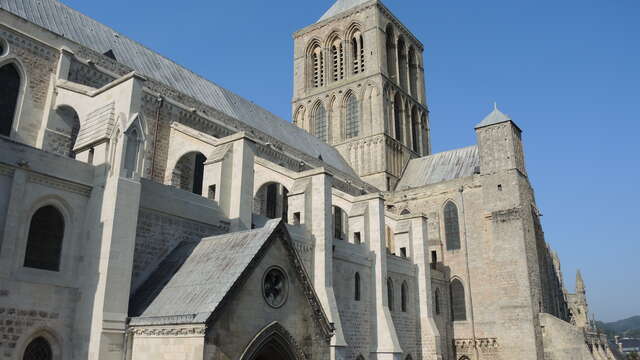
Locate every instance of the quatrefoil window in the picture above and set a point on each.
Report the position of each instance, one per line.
(275, 287)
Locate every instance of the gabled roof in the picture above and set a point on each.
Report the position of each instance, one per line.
(440, 167)
(341, 6)
(196, 278)
(75, 26)
(495, 117)
(189, 285)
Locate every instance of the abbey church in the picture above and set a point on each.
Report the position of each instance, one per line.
(148, 213)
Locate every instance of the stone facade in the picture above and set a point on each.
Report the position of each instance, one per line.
(453, 268)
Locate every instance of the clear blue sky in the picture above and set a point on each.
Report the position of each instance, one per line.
(566, 71)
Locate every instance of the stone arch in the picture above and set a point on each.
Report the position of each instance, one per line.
(357, 48)
(352, 115)
(67, 124)
(298, 118)
(405, 212)
(271, 200)
(45, 239)
(41, 337)
(188, 173)
(273, 342)
(335, 44)
(13, 83)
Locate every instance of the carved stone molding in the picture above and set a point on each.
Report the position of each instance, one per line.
(484, 345)
(60, 184)
(170, 331)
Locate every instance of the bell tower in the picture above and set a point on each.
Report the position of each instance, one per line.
(359, 86)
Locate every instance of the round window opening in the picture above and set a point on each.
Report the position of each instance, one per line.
(275, 287)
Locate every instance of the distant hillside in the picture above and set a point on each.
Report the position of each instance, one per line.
(628, 327)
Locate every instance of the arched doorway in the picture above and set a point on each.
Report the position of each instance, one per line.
(272, 201)
(273, 343)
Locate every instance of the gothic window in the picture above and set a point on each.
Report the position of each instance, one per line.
(272, 200)
(357, 287)
(415, 138)
(317, 64)
(451, 226)
(402, 64)
(319, 121)
(404, 290)
(436, 301)
(44, 242)
(413, 73)
(337, 54)
(9, 91)
(390, 293)
(352, 117)
(131, 152)
(458, 302)
(391, 53)
(397, 117)
(38, 349)
(357, 52)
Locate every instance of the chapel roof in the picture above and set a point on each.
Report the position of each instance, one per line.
(440, 167)
(73, 25)
(190, 284)
(341, 6)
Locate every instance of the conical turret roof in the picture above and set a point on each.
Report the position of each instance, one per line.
(341, 6)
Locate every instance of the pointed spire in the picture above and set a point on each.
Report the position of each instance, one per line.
(341, 6)
(496, 117)
(579, 283)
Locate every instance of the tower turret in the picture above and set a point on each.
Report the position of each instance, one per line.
(500, 143)
(359, 86)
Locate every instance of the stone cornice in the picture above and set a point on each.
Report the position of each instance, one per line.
(195, 330)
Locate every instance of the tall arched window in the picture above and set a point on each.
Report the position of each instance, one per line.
(357, 288)
(319, 120)
(317, 66)
(390, 293)
(451, 226)
(413, 71)
(357, 52)
(352, 117)
(458, 302)
(131, 152)
(397, 117)
(9, 92)
(415, 137)
(391, 53)
(436, 301)
(337, 54)
(404, 293)
(38, 349)
(44, 243)
(402, 64)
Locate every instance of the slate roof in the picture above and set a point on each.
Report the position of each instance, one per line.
(190, 284)
(341, 6)
(495, 117)
(73, 25)
(440, 167)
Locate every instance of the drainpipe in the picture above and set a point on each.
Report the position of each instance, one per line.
(466, 258)
(160, 102)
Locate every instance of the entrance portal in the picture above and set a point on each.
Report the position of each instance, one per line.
(273, 343)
